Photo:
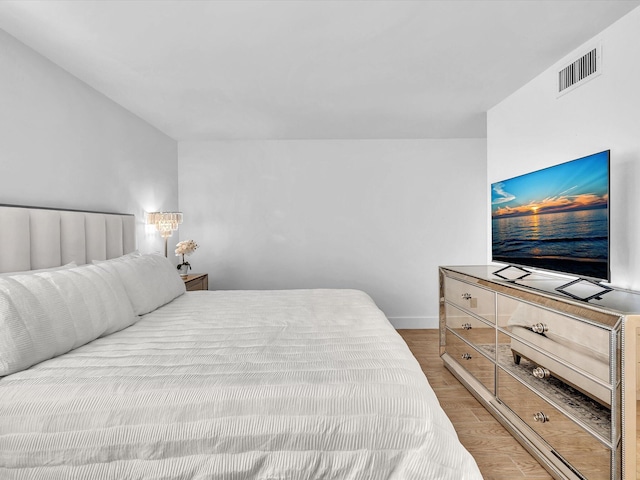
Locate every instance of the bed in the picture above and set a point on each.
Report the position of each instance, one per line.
(113, 371)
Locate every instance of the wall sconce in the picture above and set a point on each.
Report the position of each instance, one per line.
(166, 223)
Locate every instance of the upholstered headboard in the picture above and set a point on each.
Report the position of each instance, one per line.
(32, 238)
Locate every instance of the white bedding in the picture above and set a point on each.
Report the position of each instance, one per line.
(302, 384)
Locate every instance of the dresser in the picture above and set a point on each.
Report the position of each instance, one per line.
(196, 281)
(558, 372)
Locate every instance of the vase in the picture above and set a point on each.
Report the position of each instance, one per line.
(184, 269)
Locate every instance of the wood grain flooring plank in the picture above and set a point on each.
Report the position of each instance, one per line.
(498, 455)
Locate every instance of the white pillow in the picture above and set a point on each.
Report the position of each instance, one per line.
(46, 314)
(40, 270)
(150, 281)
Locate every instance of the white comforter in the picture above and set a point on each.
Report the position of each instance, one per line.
(303, 384)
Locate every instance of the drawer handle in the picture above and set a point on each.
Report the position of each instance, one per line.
(466, 296)
(540, 417)
(467, 326)
(539, 328)
(466, 356)
(541, 372)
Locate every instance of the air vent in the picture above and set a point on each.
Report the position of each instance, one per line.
(580, 71)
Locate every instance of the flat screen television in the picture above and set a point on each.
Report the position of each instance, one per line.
(555, 219)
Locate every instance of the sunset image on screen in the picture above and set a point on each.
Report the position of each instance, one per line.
(566, 188)
(556, 216)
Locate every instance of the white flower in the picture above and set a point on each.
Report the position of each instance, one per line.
(186, 247)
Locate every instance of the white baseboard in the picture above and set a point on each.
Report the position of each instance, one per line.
(414, 322)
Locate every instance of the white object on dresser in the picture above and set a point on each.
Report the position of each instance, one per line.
(558, 373)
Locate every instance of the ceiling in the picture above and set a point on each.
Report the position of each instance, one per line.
(268, 69)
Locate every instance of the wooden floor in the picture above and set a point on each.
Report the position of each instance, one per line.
(497, 453)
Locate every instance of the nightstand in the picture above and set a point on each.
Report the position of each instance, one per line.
(196, 281)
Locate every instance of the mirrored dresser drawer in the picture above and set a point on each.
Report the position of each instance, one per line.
(474, 299)
(482, 335)
(566, 438)
(516, 353)
(582, 345)
(472, 360)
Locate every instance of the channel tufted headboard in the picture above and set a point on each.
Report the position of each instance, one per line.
(32, 238)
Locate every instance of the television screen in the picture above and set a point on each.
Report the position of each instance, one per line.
(555, 219)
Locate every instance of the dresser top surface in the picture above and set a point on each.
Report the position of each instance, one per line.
(623, 302)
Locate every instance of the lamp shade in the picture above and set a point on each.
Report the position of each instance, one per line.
(166, 223)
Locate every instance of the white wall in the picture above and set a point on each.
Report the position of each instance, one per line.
(533, 129)
(377, 215)
(63, 144)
